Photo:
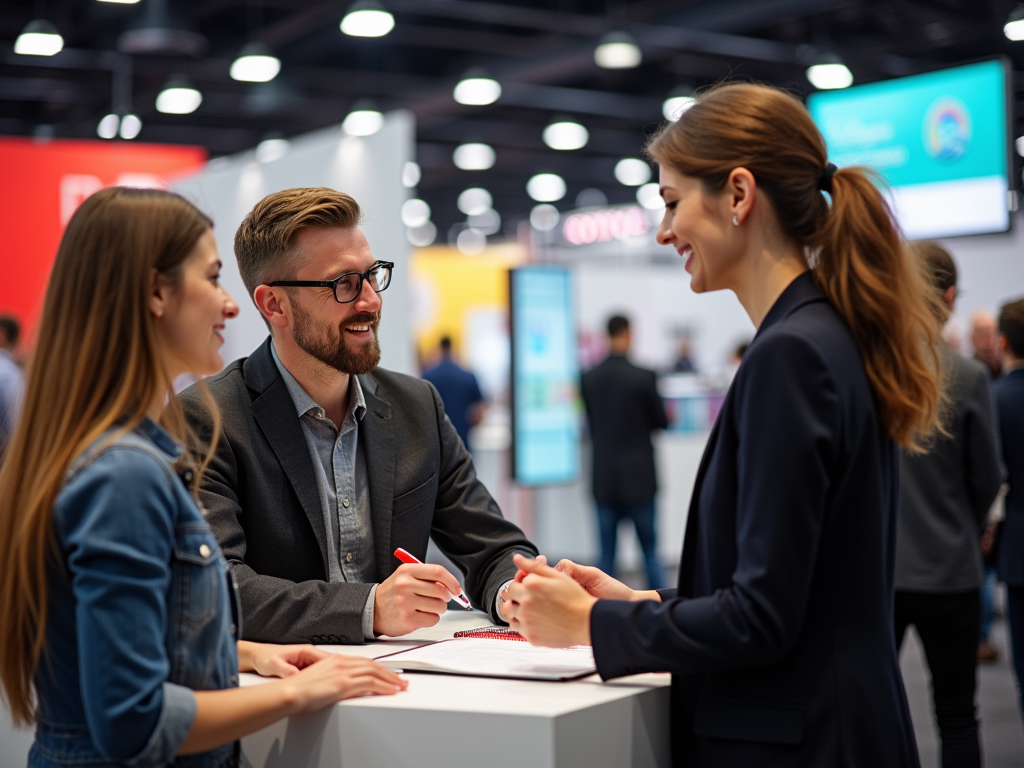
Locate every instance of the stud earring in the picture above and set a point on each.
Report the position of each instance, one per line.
(735, 221)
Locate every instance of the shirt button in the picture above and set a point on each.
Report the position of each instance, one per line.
(234, 630)
(234, 679)
(319, 415)
(204, 550)
(345, 503)
(349, 557)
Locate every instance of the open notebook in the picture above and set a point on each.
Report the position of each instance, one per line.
(494, 658)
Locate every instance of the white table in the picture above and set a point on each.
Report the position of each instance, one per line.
(446, 721)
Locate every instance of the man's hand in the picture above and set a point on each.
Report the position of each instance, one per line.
(548, 607)
(414, 596)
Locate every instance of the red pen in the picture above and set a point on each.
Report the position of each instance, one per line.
(460, 598)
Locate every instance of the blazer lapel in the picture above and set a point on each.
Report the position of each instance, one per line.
(688, 559)
(377, 431)
(274, 412)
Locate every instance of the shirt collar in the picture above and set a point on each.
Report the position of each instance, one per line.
(161, 438)
(305, 404)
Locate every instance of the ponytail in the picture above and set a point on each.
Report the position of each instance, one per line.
(853, 246)
(884, 295)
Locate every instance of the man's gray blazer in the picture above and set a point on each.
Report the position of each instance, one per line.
(260, 494)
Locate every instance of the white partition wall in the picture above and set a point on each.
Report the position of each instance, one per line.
(368, 168)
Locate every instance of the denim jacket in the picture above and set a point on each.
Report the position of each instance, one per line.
(142, 612)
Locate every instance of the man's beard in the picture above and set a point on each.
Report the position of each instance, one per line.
(328, 344)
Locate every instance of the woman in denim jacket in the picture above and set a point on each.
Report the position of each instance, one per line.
(119, 612)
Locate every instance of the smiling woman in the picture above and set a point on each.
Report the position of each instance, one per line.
(99, 527)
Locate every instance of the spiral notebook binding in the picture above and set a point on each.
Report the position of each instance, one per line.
(491, 633)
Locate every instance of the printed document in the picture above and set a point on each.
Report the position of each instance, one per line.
(495, 658)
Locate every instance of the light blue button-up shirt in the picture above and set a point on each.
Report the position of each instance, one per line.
(339, 464)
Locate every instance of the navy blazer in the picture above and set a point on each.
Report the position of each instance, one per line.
(1009, 397)
(780, 635)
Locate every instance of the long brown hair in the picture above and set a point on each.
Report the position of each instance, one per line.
(96, 365)
(854, 246)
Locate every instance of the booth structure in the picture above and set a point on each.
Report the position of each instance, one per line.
(448, 721)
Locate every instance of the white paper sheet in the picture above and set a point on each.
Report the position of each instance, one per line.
(495, 658)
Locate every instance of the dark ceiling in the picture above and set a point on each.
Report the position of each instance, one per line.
(541, 52)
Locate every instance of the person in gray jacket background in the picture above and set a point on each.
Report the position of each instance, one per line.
(945, 496)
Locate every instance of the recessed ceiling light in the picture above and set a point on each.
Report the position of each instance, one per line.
(411, 174)
(1014, 27)
(363, 122)
(178, 97)
(415, 212)
(131, 125)
(107, 128)
(566, 135)
(474, 200)
(674, 106)
(546, 187)
(255, 64)
(617, 50)
(649, 196)
(477, 91)
(473, 156)
(39, 38)
(830, 76)
(269, 150)
(632, 172)
(367, 19)
(544, 217)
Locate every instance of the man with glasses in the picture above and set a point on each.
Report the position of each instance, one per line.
(326, 463)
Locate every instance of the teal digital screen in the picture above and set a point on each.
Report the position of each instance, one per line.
(545, 373)
(939, 140)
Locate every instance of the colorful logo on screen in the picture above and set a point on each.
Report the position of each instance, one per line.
(947, 129)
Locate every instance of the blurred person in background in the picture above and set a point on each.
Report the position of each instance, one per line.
(984, 343)
(120, 629)
(684, 358)
(11, 377)
(945, 497)
(459, 391)
(623, 410)
(779, 634)
(1009, 396)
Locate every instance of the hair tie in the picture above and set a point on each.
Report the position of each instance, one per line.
(825, 180)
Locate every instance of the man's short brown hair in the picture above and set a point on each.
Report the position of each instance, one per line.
(1011, 326)
(264, 240)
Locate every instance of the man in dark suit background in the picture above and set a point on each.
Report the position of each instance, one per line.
(1009, 396)
(623, 409)
(459, 391)
(325, 462)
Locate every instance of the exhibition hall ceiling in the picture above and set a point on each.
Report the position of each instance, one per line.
(118, 57)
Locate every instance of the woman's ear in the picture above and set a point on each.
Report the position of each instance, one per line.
(741, 188)
(159, 294)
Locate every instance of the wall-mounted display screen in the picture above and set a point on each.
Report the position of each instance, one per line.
(940, 140)
(545, 376)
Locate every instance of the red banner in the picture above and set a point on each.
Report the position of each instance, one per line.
(41, 185)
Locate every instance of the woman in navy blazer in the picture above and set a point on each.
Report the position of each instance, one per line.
(779, 635)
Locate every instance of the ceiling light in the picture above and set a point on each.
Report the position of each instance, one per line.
(473, 157)
(474, 200)
(422, 236)
(477, 91)
(39, 38)
(486, 222)
(829, 76)
(415, 212)
(674, 106)
(546, 187)
(130, 127)
(1014, 27)
(107, 128)
(120, 2)
(617, 51)
(632, 172)
(591, 198)
(471, 242)
(367, 19)
(255, 64)
(1019, 144)
(411, 174)
(566, 135)
(269, 150)
(544, 217)
(363, 122)
(649, 196)
(178, 98)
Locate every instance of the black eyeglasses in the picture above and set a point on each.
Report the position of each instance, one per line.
(348, 286)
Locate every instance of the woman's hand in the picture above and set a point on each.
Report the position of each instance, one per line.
(597, 582)
(338, 677)
(547, 606)
(277, 660)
